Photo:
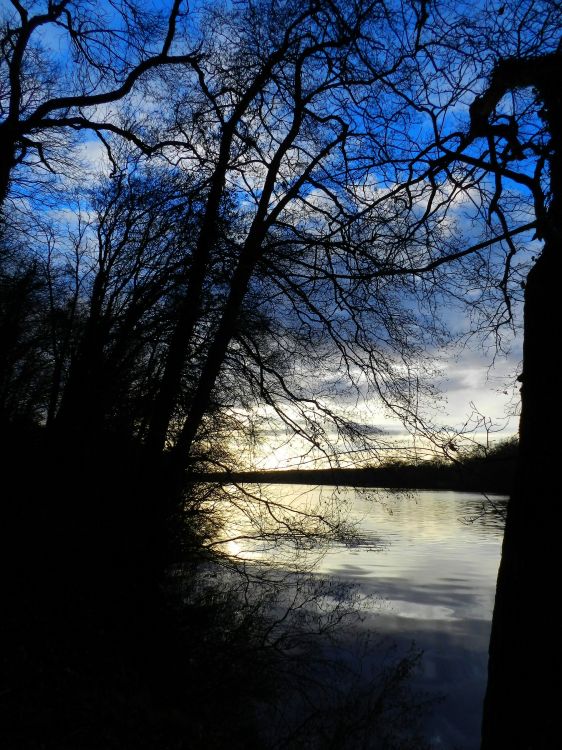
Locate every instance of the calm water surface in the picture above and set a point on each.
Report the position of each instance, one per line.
(431, 559)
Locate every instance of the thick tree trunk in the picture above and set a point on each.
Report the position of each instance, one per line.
(522, 700)
(523, 696)
(4, 183)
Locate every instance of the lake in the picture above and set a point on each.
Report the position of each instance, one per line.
(430, 561)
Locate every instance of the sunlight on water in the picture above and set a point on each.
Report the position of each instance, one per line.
(429, 559)
(443, 542)
(441, 550)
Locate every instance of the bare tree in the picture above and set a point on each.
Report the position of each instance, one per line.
(286, 104)
(335, 173)
(528, 555)
(61, 67)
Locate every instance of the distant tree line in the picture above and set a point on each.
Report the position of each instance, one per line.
(492, 471)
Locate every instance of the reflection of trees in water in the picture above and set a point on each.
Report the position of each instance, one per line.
(288, 642)
(288, 526)
(481, 509)
(284, 642)
(490, 514)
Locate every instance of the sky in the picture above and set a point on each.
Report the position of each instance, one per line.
(475, 394)
(477, 389)
(478, 399)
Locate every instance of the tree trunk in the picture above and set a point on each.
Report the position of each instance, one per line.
(83, 402)
(523, 697)
(7, 151)
(522, 700)
(217, 352)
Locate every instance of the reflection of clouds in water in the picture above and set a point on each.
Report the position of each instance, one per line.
(409, 547)
(437, 580)
(414, 549)
(417, 611)
(423, 574)
(417, 515)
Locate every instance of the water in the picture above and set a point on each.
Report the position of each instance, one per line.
(436, 571)
(430, 559)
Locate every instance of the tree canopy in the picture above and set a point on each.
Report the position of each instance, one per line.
(215, 214)
(324, 172)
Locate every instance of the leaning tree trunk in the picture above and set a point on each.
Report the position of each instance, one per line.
(522, 704)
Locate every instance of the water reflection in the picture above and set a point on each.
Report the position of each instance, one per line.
(440, 551)
(430, 560)
(437, 577)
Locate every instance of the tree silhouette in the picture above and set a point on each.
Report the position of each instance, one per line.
(105, 52)
(528, 555)
(318, 180)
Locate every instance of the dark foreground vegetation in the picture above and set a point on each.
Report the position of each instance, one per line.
(491, 471)
(105, 645)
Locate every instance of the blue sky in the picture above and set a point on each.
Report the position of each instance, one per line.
(467, 382)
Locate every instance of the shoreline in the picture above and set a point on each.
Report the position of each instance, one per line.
(403, 477)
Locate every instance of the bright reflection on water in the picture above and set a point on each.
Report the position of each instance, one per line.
(433, 558)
